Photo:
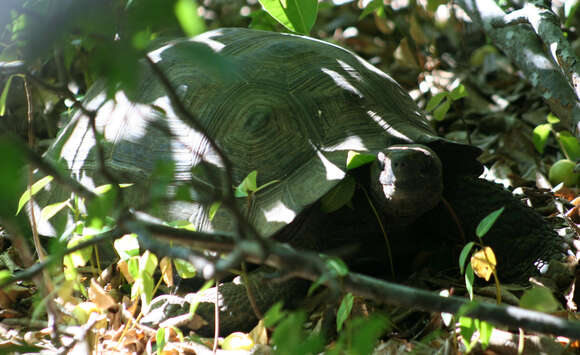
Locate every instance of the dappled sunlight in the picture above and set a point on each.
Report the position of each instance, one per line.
(279, 213)
(341, 81)
(332, 171)
(386, 126)
(350, 70)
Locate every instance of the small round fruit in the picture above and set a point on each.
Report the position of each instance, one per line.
(563, 171)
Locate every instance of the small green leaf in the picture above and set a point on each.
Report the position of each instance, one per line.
(441, 111)
(5, 275)
(469, 280)
(570, 145)
(274, 315)
(467, 328)
(148, 262)
(374, 5)
(296, 15)
(485, 330)
(160, 339)
(184, 269)
(552, 119)
(539, 299)
(248, 185)
(127, 246)
(344, 310)
(182, 224)
(213, 209)
(4, 95)
(356, 159)
(541, 134)
(81, 257)
(339, 196)
(49, 211)
(193, 306)
(464, 255)
(37, 186)
(186, 13)
(485, 225)
(100, 190)
(435, 101)
(458, 93)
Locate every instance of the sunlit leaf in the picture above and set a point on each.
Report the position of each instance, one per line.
(356, 159)
(37, 186)
(540, 136)
(148, 262)
(127, 246)
(184, 269)
(483, 263)
(4, 95)
(186, 13)
(553, 119)
(237, 341)
(485, 225)
(485, 330)
(469, 280)
(49, 211)
(296, 15)
(248, 185)
(80, 257)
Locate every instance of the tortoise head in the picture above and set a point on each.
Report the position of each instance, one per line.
(406, 181)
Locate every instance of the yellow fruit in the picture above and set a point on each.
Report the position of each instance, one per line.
(563, 171)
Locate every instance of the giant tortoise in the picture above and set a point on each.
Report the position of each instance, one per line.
(291, 108)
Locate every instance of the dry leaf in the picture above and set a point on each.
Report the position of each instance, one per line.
(100, 297)
(483, 263)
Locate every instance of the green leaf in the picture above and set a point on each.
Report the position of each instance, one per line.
(160, 339)
(100, 190)
(274, 315)
(485, 330)
(356, 159)
(184, 269)
(296, 15)
(148, 263)
(193, 306)
(339, 196)
(49, 211)
(464, 255)
(441, 111)
(213, 209)
(467, 328)
(469, 280)
(127, 246)
(182, 224)
(435, 101)
(248, 185)
(484, 226)
(570, 145)
(4, 95)
(541, 134)
(37, 186)
(80, 257)
(458, 93)
(186, 13)
(344, 310)
(374, 5)
(553, 119)
(539, 299)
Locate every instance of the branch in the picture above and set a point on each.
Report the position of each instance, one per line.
(308, 265)
(526, 50)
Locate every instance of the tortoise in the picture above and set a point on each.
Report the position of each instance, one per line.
(291, 108)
